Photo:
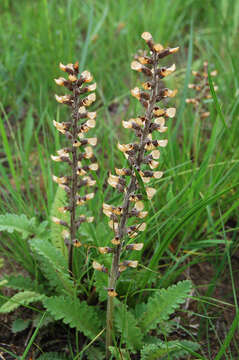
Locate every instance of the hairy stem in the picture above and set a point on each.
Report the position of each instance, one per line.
(74, 182)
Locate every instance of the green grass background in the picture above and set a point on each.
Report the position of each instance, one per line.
(196, 206)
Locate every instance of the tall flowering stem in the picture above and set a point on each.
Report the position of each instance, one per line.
(127, 180)
(202, 89)
(79, 149)
(200, 102)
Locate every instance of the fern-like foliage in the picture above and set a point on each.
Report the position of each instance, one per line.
(127, 325)
(101, 282)
(21, 224)
(53, 356)
(19, 282)
(54, 265)
(94, 353)
(119, 354)
(21, 298)
(56, 230)
(163, 303)
(169, 350)
(77, 314)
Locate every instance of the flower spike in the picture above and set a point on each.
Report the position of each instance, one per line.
(82, 121)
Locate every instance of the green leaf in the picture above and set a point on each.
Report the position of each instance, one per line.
(101, 283)
(215, 99)
(119, 354)
(56, 230)
(163, 303)
(19, 282)
(20, 325)
(94, 353)
(19, 223)
(20, 299)
(55, 265)
(167, 350)
(77, 314)
(127, 325)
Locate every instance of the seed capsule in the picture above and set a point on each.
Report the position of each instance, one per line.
(192, 101)
(82, 199)
(115, 181)
(135, 198)
(99, 267)
(123, 172)
(105, 250)
(64, 209)
(115, 241)
(87, 101)
(59, 222)
(62, 127)
(150, 192)
(81, 219)
(69, 68)
(113, 225)
(133, 230)
(158, 48)
(127, 147)
(60, 158)
(86, 76)
(61, 81)
(77, 243)
(136, 247)
(151, 145)
(205, 114)
(111, 292)
(87, 181)
(129, 263)
(135, 65)
(60, 180)
(169, 93)
(72, 78)
(163, 72)
(65, 99)
(64, 152)
(147, 175)
(144, 60)
(65, 234)
(91, 87)
(82, 142)
(65, 187)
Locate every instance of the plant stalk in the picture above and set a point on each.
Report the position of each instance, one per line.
(114, 272)
(74, 183)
